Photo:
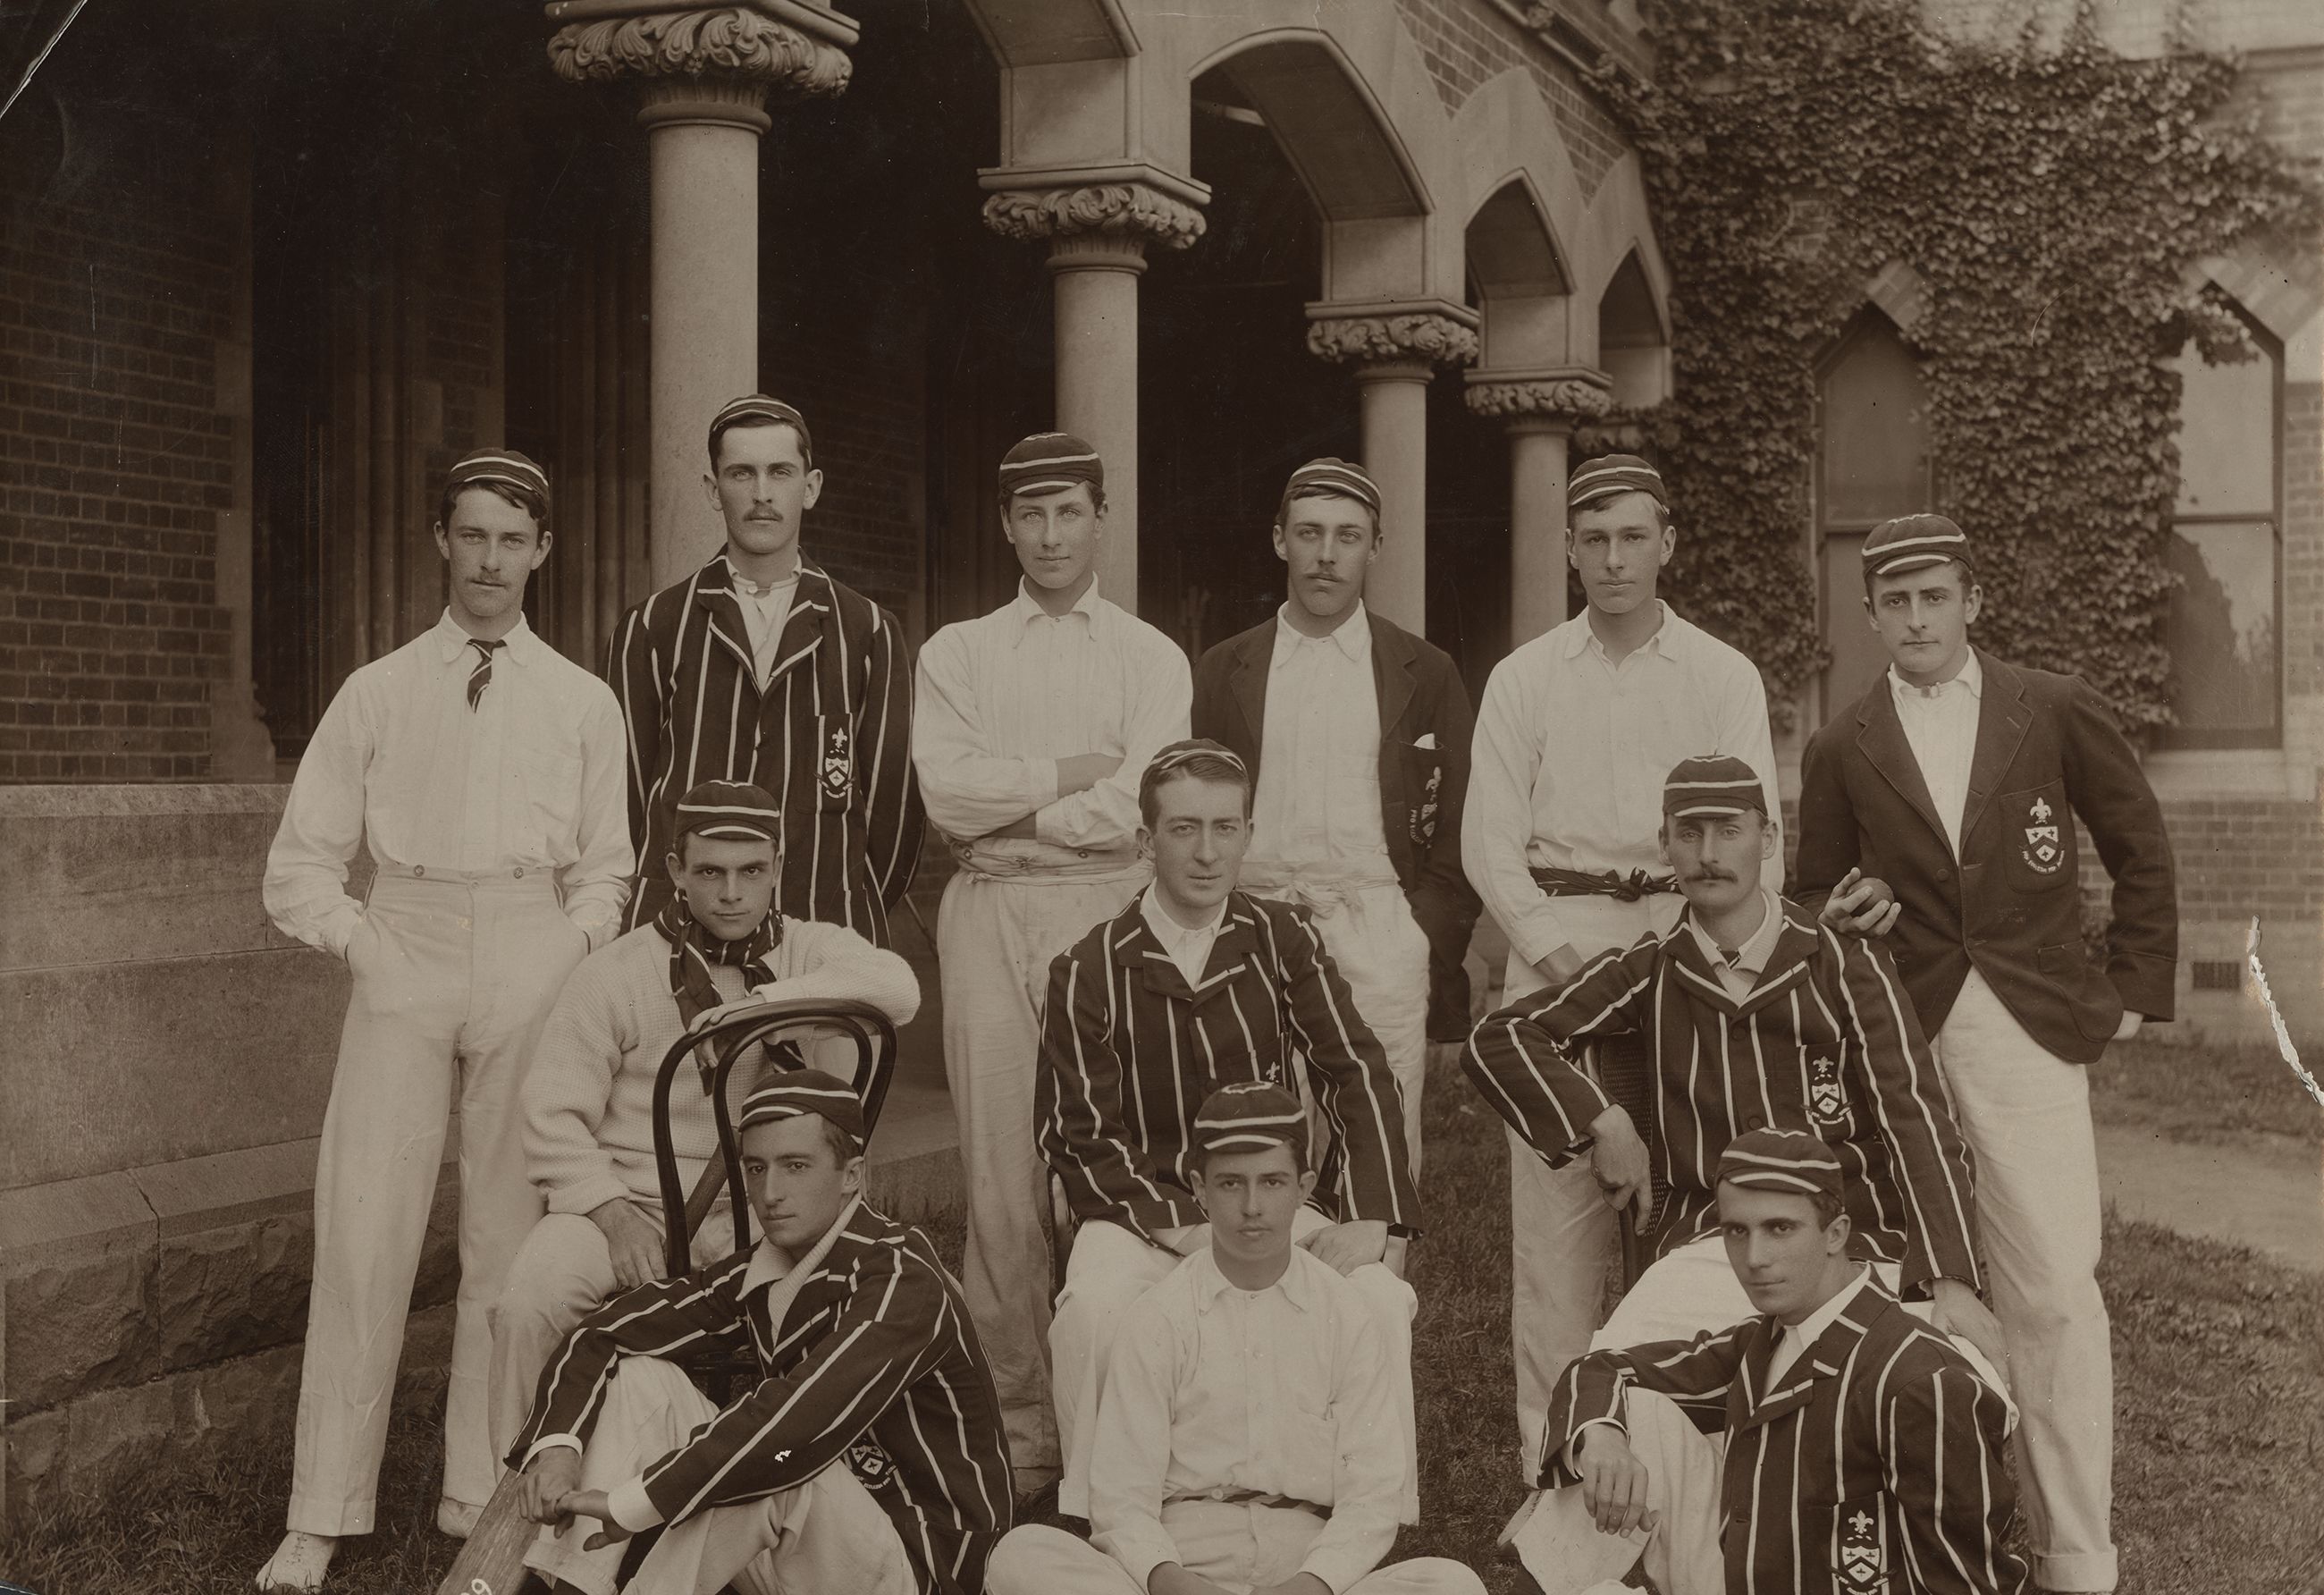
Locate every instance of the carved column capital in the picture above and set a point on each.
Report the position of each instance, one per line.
(1568, 397)
(1389, 335)
(1126, 214)
(710, 65)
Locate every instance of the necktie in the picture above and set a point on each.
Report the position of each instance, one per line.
(481, 676)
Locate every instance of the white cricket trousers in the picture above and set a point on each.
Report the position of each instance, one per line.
(1111, 1268)
(826, 1536)
(452, 980)
(1381, 952)
(1239, 1547)
(1560, 1230)
(1562, 1547)
(2026, 1114)
(995, 939)
(562, 1273)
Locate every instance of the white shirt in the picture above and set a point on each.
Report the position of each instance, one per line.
(1284, 1390)
(1571, 753)
(1739, 972)
(1796, 1338)
(531, 779)
(1189, 947)
(1319, 798)
(765, 608)
(1004, 696)
(1940, 724)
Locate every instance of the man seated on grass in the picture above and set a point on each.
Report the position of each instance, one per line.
(1248, 1440)
(588, 1097)
(868, 1456)
(1193, 985)
(1833, 1443)
(1757, 1018)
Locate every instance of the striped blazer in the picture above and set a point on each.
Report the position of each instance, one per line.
(830, 738)
(875, 1367)
(1129, 1052)
(1826, 1042)
(1876, 1463)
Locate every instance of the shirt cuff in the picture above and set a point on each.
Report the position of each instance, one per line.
(1042, 789)
(632, 1507)
(589, 1192)
(551, 1443)
(1567, 1453)
(339, 928)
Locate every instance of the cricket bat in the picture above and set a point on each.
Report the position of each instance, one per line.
(492, 1561)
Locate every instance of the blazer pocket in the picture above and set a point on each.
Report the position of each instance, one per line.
(834, 770)
(2037, 838)
(1422, 769)
(2096, 1005)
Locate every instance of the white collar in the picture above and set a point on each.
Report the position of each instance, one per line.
(1972, 677)
(769, 1262)
(451, 638)
(1211, 1283)
(1670, 637)
(1809, 1330)
(1028, 610)
(1352, 636)
(1752, 957)
(1166, 930)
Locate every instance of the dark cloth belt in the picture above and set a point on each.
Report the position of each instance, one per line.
(1628, 888)
(1253, 1497)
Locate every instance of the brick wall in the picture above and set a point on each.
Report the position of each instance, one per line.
(116, 284)
(1467, 41)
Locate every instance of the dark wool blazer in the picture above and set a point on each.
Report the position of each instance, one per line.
(2047, 750)
(1422, 789)
(1878, 1462)
(874, 1367)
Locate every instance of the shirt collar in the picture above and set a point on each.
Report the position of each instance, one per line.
(1810, 1329)
(1971, 678)
(1752, 957)
(769, 1262)
(1027, 611)
(1210, 1284)
(1172, 934)
(1669, 639)
(1352, 636)
(452, 640)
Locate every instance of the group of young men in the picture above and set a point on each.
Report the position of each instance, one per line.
(1204, 929)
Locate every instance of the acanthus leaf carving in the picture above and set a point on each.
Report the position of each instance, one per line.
(1130, 210)
(1557, 398)
(1366, 340)
(733, 43)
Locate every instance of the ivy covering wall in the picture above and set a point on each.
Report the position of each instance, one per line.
(2052, 197)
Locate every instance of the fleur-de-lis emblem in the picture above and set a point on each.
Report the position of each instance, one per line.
(2042, 811)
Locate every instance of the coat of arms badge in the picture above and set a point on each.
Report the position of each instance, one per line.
(2044, 852)
(1859, 1550)
(1826, 1096)
(838, 769)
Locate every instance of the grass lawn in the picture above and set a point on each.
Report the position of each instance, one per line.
(2219, 1442)
(2207, 1094)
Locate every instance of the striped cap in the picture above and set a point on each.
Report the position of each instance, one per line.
(1173, 754)
(729, 810)
(1713, 783)
(1611, 474)
(1788, 1160)
(756, 410)
(502, 467)
(797, 1093)
(1913, 542)
(1337, 477)
(1250, 1117)
(1050, 462)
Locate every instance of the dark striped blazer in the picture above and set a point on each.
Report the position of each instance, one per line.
(830, 738)
(1877, 1462)
(1826, 1042)
(875, 1367)
(1128, 1052)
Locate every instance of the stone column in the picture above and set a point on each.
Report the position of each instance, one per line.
(1394, 351)
(1542, 410)
(1097, 233)
(705, 76)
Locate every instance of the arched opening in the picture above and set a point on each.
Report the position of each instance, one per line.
(1633, 345)
(1328, 126)
(1873, 461)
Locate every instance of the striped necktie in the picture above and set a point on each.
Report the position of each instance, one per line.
(481, 676)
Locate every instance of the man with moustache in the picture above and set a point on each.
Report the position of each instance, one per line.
(761, 668)
(482, 772)
(717, 947)
(1943, 802)
(1245, 1443)
(1832, 1444)
(1193, 985)
(1032, 725)
(1575, 736)
(1357, 732)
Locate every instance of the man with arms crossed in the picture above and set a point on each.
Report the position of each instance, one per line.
(1948, 791)
(761, 668)
(717, 946)
(1193, 985)
(1247, 1439)
(1357, 732)
(482, 771)
(1832, 1443)
(1576, 732)
(866, 1459)
(1032, 725)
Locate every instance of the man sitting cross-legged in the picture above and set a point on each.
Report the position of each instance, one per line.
(715, 944)
(1195, 985)
(867, 1458)
(1249, 1438)
(1833, 1443)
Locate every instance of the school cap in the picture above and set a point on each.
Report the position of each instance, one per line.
(1050, 462)
(1613, 474)
(1250, 1117)
(1712, 783)
(1914, 542)
(756, 410)
(729, 810)
(1788, 1160)
(1338, 478)
(799, 1093)
(502, 467)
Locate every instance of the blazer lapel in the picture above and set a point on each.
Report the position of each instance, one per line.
(1253, 661)
(713, 595)
(2003, 718)
(804, 628)
(1820, 1361)
(1788, 964)
(1392, 657)
(1881, 737)
(1696, 977)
